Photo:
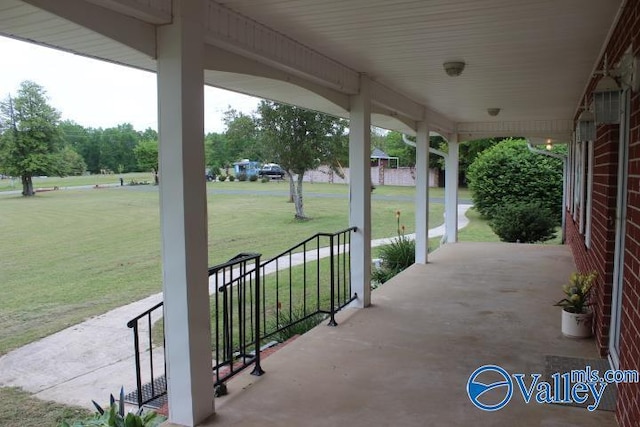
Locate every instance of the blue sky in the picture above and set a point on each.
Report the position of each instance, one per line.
(99, 94)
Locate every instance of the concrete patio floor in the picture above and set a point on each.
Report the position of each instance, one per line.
(406, 360)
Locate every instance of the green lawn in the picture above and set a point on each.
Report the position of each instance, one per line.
(69, 255)
(69, 181)
(18, 408)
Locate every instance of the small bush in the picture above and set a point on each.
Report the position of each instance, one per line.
(242, 177)
(253, 178)
(527, 222)
(232, 178)
(222, 178)
(397, 256)
(264, 179)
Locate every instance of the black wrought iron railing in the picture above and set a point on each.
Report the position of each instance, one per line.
(310, 279)
(253, 302)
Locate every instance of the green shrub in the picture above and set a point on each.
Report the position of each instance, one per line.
(509, 173)
(222, 178)
(527, 222)
(397, 256)
(253, 178)
(264, 179)
(242, 177)
(232, 178)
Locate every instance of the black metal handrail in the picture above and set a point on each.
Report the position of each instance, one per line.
(247, 292)
(326, 286)
(155, 388)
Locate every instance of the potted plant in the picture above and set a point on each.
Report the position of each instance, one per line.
(576, 314)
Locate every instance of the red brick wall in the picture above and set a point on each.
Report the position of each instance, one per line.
(600, 256)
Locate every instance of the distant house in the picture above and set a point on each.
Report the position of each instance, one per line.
(246, 166)
(380, 158)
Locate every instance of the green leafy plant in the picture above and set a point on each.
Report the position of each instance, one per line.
(264, 179)
(396, 257)
(253, 178)
(577, 292)
(116, 416)
(232, 178)
(525, 222)
(242, 177)
(222, 178)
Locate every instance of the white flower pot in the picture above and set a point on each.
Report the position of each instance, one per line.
(577, 325)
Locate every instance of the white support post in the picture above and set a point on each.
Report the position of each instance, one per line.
(451, 191)
(183, 214)
(360, 192)
(422, 193)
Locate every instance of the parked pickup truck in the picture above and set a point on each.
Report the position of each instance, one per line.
(271, 170)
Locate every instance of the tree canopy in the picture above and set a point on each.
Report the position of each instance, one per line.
(300, 140)
(30, 137)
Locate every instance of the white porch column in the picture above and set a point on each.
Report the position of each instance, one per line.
(183, 214)
(451, 191)
(360, 193)
(422, 193)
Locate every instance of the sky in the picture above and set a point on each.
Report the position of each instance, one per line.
(96, 94)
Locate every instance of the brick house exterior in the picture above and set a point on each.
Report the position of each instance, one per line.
(595, 167)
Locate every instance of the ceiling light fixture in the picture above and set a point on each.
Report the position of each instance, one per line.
(493, 111)
(454, 68)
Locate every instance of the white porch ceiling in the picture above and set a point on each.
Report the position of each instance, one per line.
(531, 59)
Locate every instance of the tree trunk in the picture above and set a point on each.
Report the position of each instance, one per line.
(292, 188)
(298, 199)
(155, 177)
(27, 186)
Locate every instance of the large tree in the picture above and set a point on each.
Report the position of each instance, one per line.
(30, 138)
(147, 154)
(300, 140)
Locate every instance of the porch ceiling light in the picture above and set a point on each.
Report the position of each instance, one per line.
(493, 111)
(586, 127)
(454, 68)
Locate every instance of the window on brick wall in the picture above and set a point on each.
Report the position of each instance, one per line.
(588, 188)
(578, 172)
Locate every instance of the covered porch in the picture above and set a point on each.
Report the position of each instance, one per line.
(407, 359)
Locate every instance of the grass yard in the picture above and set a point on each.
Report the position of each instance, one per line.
(69, 255)
(70, 181)
(19, 408)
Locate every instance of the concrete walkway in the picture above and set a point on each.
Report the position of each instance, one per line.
(95, 358)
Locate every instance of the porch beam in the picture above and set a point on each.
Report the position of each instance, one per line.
(422, 193)
(560, 130)
(230, 30)
(451, 191)
(183, 215)
(129, 31)
(360, 192)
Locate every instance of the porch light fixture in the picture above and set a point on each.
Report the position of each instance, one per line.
(493, 111)
(549, 145)
(454, 68)
(606, 99)
(586, 127)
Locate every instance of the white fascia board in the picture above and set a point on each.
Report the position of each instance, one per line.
(219, 59)
(387, 119)
(124, 29)
(152, 11)
(233, 31)
(557, 130)
(439, 124)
